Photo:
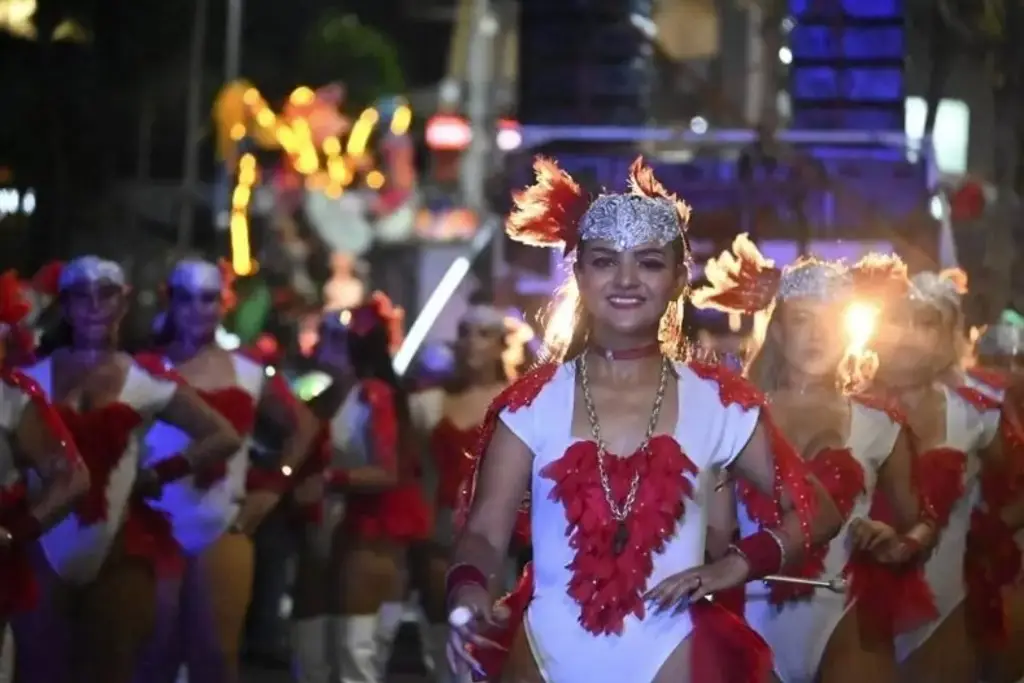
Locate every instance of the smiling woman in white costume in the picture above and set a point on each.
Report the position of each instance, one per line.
(616, 444)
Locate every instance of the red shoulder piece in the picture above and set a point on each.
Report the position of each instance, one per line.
(383, 421)
(276, 384)
(792, 477)
(889, 406)
(154, 364)
(990, 378)
(978, 400)
(519, 394)
(47, 413)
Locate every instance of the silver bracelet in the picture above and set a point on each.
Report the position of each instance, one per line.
(782, 546)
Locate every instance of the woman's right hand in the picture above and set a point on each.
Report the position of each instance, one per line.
(464, 636)
(870, 535)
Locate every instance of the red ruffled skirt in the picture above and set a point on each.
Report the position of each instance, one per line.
(399, 514)
(148, 535)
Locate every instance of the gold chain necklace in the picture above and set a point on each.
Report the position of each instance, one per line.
(619, 513)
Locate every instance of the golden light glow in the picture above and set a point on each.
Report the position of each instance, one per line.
(860, 321)
(401, 120)
(242, 112)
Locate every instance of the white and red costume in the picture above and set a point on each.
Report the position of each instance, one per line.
(796, 620)
(580, 603)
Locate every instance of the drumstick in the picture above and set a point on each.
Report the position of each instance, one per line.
(836, 585)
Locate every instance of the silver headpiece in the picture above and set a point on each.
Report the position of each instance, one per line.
(941, 290)
(819, 280)
(629, 220)
(1001, 340)
(195, 275)
(90, 269)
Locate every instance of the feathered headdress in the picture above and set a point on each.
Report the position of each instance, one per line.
(379, 310)
(555, 211)
(740, 280)
(13, 304)
(942, 290)
(880, 277)
(46, 281)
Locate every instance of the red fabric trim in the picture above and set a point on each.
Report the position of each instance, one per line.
(148, 535)
(451, 448)
(990, 378)
(978, 400)
(379, 398)
(518, 395)
(462, 575)
(762, 553)
(156, 365)
(237, 406)
(939, 479)
(47, 413)
(607, 586)
(891, 599)
(792, 478)
(992, 562)
(725, 649)
(102, 437)
(399, 514)
(173, 468)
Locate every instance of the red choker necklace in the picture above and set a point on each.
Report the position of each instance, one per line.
(652, 349)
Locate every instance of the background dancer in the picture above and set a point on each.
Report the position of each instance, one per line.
(918, 345)
(488, 356)
(852, 443)
(201, 616)
(373, 465)
(98, 567)
(618, 574)
(35, 442)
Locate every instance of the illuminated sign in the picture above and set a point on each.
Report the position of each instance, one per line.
(14, 201)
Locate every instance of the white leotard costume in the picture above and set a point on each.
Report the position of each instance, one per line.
(199, 516)
(799, 630)
(969, 431)
(76, 551)
(712, 436)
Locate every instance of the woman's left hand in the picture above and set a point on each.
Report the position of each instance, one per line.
(688, 586)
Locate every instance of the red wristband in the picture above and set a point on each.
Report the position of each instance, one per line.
(462, 575)
(24, 527)
(173, 468)
(336, 478)
(763, 551)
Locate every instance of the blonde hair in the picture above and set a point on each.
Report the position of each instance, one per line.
(766, 361)
(566, 326)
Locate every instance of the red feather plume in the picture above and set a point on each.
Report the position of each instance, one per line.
(13, 304)
(547, 214)
(880, 276)
(740, 280)
(379, 310)
(47, 279)
(642, 183)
